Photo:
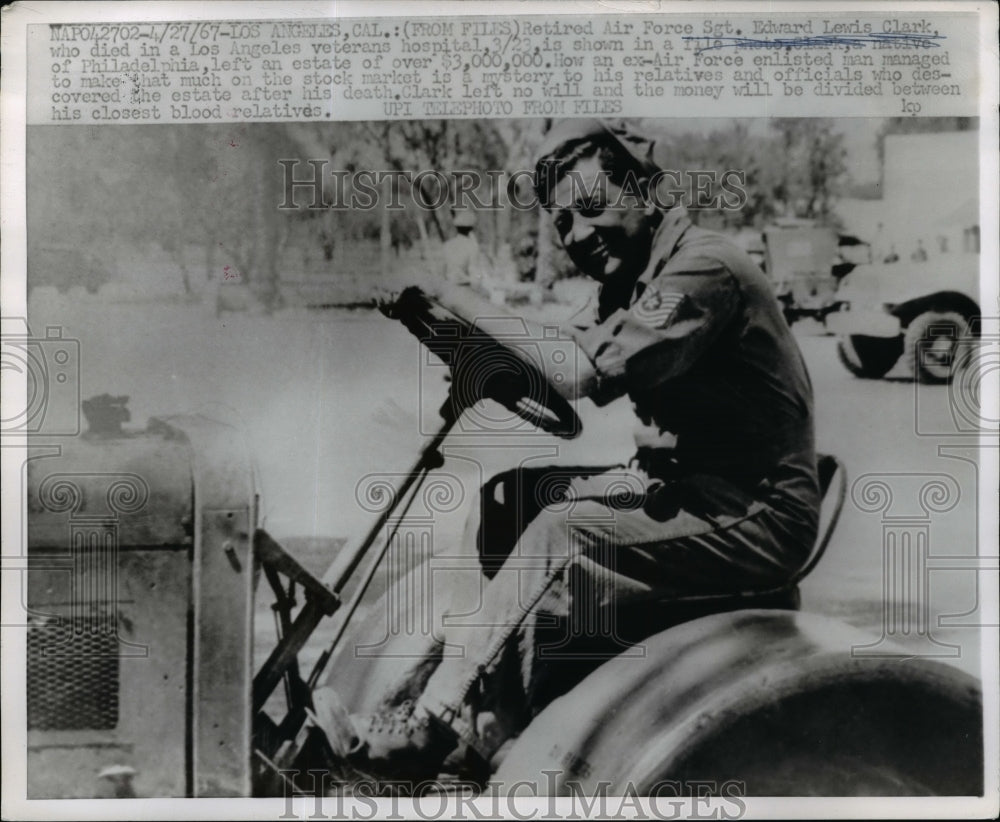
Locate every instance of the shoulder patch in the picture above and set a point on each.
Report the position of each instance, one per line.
(657, 308)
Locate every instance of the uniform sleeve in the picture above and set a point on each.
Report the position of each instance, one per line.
(679, 315)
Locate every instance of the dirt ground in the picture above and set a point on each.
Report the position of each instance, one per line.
(328, 398)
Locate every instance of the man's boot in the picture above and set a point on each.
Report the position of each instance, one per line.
(332, 718)
(405, 741)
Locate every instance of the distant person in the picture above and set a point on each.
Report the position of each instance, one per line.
(461, 252)
(502, 276)
(878, 244)
(920, 253)
(970, 239)
(525, 260)
(116, 782)
(892, 256)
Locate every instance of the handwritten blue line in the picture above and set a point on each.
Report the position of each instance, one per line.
(819, 41)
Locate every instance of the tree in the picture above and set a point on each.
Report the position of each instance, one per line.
(810, 163)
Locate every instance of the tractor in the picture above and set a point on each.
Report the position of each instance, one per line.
(146, 556)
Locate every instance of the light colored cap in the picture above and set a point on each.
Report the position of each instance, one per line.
(117, 770)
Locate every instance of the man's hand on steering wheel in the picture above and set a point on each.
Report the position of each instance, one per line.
(509, 368)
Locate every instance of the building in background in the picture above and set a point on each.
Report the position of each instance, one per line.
(930, 194)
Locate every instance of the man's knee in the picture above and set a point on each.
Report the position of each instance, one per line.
(530, 505)
(499, 518)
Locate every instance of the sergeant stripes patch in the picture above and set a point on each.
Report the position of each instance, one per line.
(656, 308)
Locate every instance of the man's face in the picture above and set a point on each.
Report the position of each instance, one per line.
(606, 231)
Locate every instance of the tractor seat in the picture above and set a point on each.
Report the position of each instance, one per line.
(833, 489)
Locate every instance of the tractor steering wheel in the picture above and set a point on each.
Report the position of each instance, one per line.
(484, 365)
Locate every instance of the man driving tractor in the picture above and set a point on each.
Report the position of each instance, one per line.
(723, 494)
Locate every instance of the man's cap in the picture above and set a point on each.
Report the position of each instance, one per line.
(464, 218)
(567, 133)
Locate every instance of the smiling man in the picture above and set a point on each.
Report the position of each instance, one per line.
(720, 495)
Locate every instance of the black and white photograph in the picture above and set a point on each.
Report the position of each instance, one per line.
(475, 446)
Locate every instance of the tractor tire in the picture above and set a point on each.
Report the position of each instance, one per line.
(869, 358)
(759, 703)
(933, 344)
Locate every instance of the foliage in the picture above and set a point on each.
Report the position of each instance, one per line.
(217, 187)
(793, 170)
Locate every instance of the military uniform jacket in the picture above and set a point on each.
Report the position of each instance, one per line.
(701, 348)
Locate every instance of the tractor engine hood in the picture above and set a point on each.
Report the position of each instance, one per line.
(140, 609)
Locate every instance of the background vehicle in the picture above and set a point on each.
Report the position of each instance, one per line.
(806, 262)
(916, 314)
(733, 687)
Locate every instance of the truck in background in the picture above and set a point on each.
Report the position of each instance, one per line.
(806, 263)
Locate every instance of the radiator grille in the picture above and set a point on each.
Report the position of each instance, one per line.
(72, 674)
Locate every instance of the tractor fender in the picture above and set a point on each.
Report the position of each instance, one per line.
(762, 703)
